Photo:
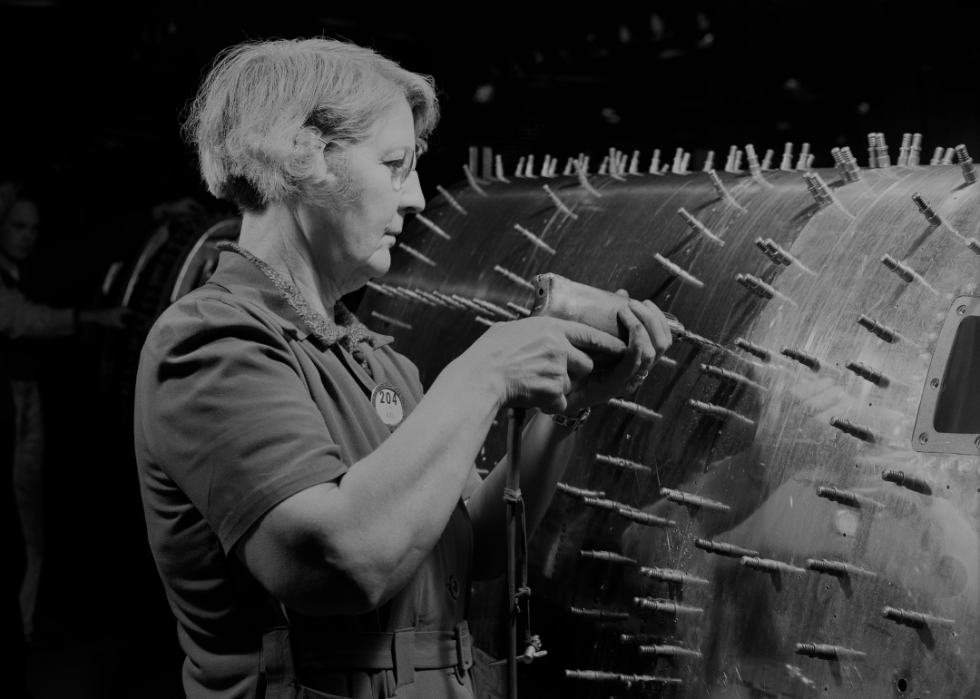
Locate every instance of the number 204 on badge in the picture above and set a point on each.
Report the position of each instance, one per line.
(388, 403)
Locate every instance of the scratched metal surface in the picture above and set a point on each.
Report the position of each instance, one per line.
(922, 550)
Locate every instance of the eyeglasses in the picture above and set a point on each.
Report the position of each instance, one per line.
(402, 169)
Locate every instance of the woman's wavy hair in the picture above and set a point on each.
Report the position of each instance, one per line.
(272, 116)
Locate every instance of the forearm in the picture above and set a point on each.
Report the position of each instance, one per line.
(391, 508)
(545, 451)
(21, 318)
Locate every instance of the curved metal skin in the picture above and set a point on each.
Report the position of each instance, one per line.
(919, 551)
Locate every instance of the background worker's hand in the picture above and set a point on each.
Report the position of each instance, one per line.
(117, 318)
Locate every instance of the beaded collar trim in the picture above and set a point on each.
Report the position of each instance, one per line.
(345, 330)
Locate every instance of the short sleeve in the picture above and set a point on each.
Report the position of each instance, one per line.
(222, 410)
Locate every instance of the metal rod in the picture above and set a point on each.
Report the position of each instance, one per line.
(515, 428)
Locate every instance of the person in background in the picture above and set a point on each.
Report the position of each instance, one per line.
(22, 321)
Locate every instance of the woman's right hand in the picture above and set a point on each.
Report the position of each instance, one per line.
(533, 362)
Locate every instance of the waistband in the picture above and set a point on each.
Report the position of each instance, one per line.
(403, 651)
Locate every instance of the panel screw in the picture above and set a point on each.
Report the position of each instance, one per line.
(923, 438)
(934, 383)
(961, 310)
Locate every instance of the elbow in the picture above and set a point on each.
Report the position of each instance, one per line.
(328, 592)
(351, 583)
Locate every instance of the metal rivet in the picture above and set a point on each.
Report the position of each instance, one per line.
(923, 438)
(977, 443)
(934, 383)
(961, 310)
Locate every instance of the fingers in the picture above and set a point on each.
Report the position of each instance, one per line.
(655, 323)
(641, 351)
(589, 339)
(579, 364)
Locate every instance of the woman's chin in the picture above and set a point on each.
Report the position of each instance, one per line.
(379, 264)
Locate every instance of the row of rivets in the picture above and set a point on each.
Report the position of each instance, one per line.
(818, 188)
(644, 518)
(607, 556)
(828, 652)
(874, 327)
(837, 568)
(728, 375)
(433, 227)
(471, 178)
(720, 189)
(691, 500)
(755, 350)
(769, 565)
(931, 216)
(786, 165)
(852, 428)
(669, 651)
(846, 497)
(582, 174)
(518, 309)
(579, 492)
(723, 549)
(670, 575)
(599, 614)
(559, 203)
(450, 199)
(717, 412)
(638, 638)
(635, 409)
(599, 676)
(907, 480)
(391, 321)
(867, 373)
(602, 503)
(510, 276)
(803, 162)
(798, 355)
(915, 619)
(534, 239)
(416, 254)
(678, 272)
(699, 227)
(966, 163)
(666, 606)
(621, 463)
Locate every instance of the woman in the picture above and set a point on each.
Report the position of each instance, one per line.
(312, 544)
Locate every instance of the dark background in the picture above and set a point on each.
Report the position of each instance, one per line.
(92, 97)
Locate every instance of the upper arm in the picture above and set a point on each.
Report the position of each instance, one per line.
(286, 551)
(223, 410)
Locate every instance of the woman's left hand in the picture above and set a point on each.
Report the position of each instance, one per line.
(649, 338)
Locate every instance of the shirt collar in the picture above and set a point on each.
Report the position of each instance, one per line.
(249, 278)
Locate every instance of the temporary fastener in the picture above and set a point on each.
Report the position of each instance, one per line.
(852, 428)
(931, 216)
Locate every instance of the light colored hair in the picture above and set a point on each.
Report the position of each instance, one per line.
(272, 117)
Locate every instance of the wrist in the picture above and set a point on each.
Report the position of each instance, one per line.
(482, 386)
(572, 421)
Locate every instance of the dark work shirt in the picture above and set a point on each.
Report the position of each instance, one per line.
(238, 407)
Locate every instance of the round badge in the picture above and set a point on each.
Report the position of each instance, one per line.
(387, 402)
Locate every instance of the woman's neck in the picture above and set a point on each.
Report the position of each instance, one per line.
(275, 236)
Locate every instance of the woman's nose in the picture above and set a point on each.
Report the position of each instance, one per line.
(412, 200)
